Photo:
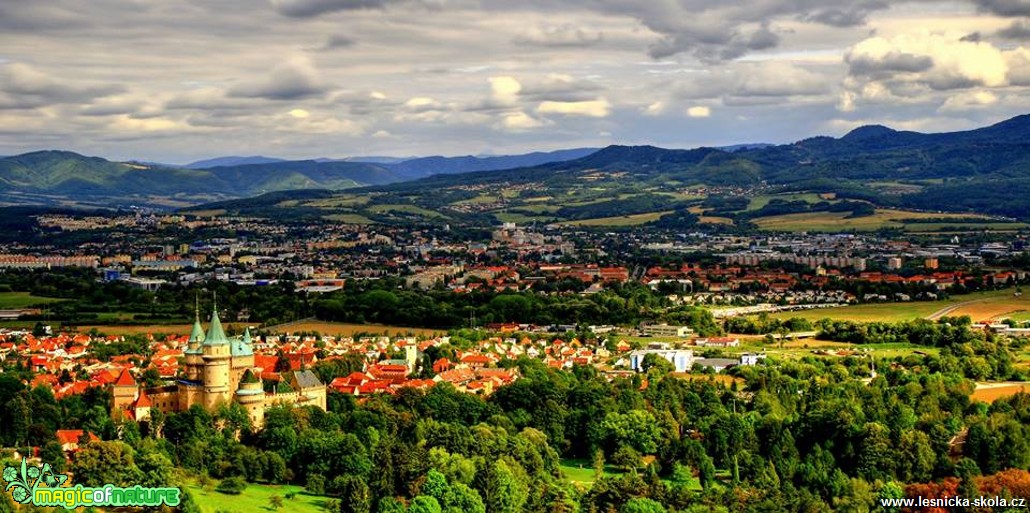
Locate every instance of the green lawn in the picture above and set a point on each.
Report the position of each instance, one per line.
(23, 300)
(256, 498)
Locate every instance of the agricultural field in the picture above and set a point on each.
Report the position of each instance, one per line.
(883, 218)
(404, 209)
(348, 219)
(630, 220)
(257, 497)
(762, 200)
(990, 392)
(15, 300)
(995, 305)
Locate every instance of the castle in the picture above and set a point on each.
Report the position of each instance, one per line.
(218, 370)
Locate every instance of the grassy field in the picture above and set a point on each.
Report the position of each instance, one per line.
(762, 200)
(23, 300)
(630, 220)
(256, 498)
(405, 209)
(838, 221)
(993, 304)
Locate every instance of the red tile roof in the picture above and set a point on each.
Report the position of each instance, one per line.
(125, 379)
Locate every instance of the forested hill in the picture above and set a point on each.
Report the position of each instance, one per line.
(872, 163)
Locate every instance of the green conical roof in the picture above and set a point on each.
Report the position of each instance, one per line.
(215, 333)
(242, 347)
(196, 337)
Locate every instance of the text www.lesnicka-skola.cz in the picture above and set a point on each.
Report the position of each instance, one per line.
(955, 502)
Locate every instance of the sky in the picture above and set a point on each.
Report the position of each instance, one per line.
(180, 80)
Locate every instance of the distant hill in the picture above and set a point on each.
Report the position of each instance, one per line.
(51, 177)
(986, 170)
(427, 166)
(231, 161)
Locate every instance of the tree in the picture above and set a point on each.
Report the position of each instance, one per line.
(626, 457)
(98, 463)
(424, 504)
(275, 501)
(389, 505)
(641, 505)
(503, 492)
(231, 486)
(598, 464)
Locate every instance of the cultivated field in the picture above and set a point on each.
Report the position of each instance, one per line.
(883, 218)
(630, 220)
(990, 392)
(995, 304)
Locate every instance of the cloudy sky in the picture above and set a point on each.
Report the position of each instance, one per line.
(179, 80)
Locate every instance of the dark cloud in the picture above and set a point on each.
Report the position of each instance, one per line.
(718, 48)
(338, 41)
(311, 8)
(893, 62)
(1019, 30)
(565, 35)
(293, 80)
(845, 16)
(27, 87)
(1005, 7)
(974, 37)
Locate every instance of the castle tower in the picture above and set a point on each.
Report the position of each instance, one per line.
(123, 393)
(193, 350)
(251, 396)
(216, 356)
(242, 358)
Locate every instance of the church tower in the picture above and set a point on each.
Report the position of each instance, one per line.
(215, 352)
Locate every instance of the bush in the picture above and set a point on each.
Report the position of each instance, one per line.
(231, 486)
(316, 484)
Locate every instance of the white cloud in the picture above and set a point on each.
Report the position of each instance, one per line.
(518, 121)
(599, 108)
(505, 90)
(655, 109)
(300, 113)
(968, 100)
(699, 111)
(939, 61)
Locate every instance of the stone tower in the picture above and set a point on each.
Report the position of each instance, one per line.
(216, 355)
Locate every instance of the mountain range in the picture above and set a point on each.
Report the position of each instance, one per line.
(62, 177)
(984, 170)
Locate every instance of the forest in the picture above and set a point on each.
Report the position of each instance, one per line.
(804, 435)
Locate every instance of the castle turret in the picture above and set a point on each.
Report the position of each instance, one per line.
(242, 357)
(216, 353)
(193, 350)
(251, 397)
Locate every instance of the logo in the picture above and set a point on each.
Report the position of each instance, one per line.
(39, 485)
